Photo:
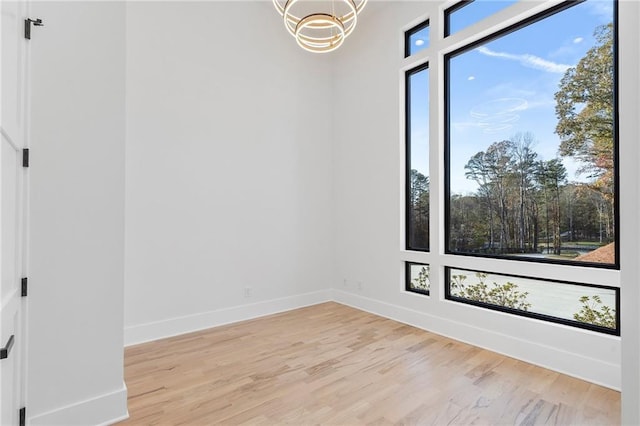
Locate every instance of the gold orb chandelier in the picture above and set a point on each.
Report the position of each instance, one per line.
(319, 31)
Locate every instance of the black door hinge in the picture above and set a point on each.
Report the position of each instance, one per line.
(24, 287)
(23, 416)
(4, 352)
(27, 26)
(25, 157)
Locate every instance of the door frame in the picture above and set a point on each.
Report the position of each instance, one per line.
(23, 9)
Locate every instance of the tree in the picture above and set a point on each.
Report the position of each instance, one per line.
(585, 213)
(419, 210)
(584, 107)
(593, 311)
(523, 162)
(467, 223)
(419, 185)
(498, 158)
(478, 170)
(421, 282)
(551, 175)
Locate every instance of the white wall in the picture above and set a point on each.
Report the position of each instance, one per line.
(228, 167)
(76, 256)
(368, 176)
(630, 206)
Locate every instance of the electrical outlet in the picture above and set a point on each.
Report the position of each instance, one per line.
(247, 292)
(360, 285)
(345, 283)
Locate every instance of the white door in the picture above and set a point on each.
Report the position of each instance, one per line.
(13, 124)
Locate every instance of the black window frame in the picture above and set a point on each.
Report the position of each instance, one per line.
(407, 138)
(535, 315)
(411, 31)
(447, 133)
(450, 10)
(407, 278)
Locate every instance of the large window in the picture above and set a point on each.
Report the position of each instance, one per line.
(524, 167)
(532, 140)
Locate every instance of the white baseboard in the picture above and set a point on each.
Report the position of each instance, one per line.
(175, 326)
(104, 409)
(569, 363)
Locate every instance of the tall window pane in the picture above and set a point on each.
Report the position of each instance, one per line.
(417, 151)
(531, 140)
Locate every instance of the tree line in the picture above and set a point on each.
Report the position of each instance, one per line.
(524, 204)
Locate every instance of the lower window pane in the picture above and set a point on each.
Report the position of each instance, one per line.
(585, 306)
(417, 280)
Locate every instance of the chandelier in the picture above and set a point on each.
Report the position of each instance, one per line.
(319, 26)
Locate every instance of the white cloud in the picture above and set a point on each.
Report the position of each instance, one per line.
(471, 77)
(495, 116)
(578, 40)
(527, 60)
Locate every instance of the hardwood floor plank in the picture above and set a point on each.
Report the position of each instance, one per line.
(331, 364)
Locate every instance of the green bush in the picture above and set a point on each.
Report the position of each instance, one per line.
(498, 294)
(421, 282)
(594, 312)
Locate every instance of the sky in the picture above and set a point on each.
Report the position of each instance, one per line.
(506, 86)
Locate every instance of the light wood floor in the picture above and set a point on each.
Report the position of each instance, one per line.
(331, 364)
